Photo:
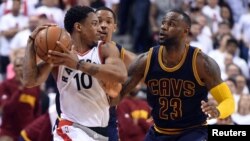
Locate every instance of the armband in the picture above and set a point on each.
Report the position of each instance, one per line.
(224, 97)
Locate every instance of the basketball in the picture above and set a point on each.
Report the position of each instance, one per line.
(46, 40)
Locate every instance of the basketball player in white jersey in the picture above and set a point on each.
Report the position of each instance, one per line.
(80, 74)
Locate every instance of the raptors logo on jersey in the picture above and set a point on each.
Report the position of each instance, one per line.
(78, 89)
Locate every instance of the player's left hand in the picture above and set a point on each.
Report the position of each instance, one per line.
(210, 109)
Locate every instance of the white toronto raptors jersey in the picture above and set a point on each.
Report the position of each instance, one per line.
(82, 99)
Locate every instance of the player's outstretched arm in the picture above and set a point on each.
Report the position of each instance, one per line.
(128, 58)
(33, 74)
(135, 75)
(209, 73)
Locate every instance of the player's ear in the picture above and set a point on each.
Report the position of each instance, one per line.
(187, 30)
(78, 26)
(115, 27)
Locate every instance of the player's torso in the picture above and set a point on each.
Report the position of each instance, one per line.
(174, 93)
(82, 98)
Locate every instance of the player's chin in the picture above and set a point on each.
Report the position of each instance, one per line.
(161, 41)
(102, 38)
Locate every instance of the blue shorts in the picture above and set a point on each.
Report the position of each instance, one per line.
(192, 134)
(112, 126)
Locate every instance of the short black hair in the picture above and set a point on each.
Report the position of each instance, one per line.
(76, 14)
(107, 9)
(232, 41)
(186, 18)
(232, 79)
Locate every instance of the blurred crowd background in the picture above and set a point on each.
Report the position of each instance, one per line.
(221, 28)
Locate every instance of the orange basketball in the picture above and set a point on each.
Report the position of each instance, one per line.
(46, 40)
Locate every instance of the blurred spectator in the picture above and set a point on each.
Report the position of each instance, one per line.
(21, 38)
(195, 30)
(219, 54)
(228, 59)
(198, 39)
(19, 105)
(157, 11)
(242, 116)
(19, 41)
(212, 11)
(227, 15)
(137, 13)
(10, 24)
(27, 7)
(41, 128)
(238, 7)
(224, 28)
(232, 70)
(19, 52)
(66, 4)
(241, 85)
(205, 29)
(232, 47)
(233, 86)
(242, 33)
(133, 116)
(198, 4)
(52, 12)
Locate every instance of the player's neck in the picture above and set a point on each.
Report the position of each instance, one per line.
(172, 55)
(175, 48)
(80, 45)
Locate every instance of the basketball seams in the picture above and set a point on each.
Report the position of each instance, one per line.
(46, 40)
(38, 49)
(47, 30)
(58, 39)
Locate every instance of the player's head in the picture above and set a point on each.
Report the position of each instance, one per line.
(16, 5)
(107, 20)
(82, 21)
(18, 66)
(175, 27)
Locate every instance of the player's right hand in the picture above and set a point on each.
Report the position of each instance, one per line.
(210, 109)
(37, 30)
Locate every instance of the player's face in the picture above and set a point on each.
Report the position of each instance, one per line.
(18, 67)
(107, 24)
(91, 29)
(172, 28)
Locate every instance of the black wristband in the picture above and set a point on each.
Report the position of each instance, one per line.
(79, 64)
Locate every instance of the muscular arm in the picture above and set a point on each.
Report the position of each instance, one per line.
(208, 70)
(112, 71)
(33, 74)
(129, 57)
(209, 73)
(135, 74)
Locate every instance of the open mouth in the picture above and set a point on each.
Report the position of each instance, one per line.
(103, 33)
(161, 35)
